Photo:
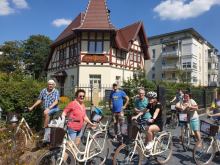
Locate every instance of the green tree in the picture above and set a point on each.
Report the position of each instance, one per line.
(12, 54)
(36, 51)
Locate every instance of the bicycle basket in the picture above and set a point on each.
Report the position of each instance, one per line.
(183, 117)
(97, 115)
(208, 128)
(56, 136)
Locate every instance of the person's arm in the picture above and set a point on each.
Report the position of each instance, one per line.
(53, 104)
(173, 99)
(126, 102)
(35, 104)
(193, 106)
(155, 115)
(86, 119)
(138, 115)
(214, 115)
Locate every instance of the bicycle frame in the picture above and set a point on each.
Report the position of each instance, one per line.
(139, 141)
(83, 156)
(26, 129)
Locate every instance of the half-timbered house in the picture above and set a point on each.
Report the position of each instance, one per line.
(93, 51)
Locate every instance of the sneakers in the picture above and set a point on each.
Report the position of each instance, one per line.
(149, 146)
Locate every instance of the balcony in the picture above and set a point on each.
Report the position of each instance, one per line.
(174, 80)
(170, 67)
(213, 59)
(213, 71)
(170, 54)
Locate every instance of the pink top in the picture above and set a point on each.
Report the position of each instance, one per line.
(76, 113)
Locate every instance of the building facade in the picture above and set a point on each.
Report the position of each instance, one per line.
(92, 52)
(182, 56)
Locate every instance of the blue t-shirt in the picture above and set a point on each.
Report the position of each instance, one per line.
(141, 105)
(117, 100)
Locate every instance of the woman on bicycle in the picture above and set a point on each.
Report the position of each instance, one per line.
(190, 106)
(156, 122)
(76, 113)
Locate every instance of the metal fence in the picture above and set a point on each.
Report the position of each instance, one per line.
(99, 95)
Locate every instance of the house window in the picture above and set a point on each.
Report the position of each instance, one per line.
(73, 51)
(153, 76)
(95, 80)
(173, 76)
(62, 57)
(153, 68)
(95, 43)
(153, 53)
(186, 64)
(118, 80)
(138, 57)
(162, 75)
(72, 81)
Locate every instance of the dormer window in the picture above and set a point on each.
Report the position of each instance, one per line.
(95, 43)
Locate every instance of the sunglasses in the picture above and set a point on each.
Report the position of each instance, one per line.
(81, 96)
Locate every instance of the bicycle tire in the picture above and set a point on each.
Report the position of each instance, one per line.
(126, 151)
(52, 157)
(185, 138)
(160, 145)
(93, 149)
(200, 154)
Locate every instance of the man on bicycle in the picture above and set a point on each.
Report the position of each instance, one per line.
(49, 97)
(116, 100)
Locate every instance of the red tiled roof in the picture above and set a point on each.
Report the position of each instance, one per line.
(69, 30)
(125, 37)
(97, 16)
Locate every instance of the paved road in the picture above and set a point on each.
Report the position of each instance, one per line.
(179, 157)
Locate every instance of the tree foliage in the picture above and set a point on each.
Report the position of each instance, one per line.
(18, 92)
(27, 56)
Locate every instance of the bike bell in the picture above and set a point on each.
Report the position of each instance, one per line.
(14, 119)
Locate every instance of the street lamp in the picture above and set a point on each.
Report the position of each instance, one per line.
(1, 112)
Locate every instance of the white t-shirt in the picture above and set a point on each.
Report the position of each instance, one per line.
(184, 105)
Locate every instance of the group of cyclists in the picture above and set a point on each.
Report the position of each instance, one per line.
(146, 106)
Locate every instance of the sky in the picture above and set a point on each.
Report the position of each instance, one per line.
(21, 18)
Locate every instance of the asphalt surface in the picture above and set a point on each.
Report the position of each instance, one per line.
(179, 156)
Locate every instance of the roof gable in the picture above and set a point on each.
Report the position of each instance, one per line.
(125, 37)
(69, 30)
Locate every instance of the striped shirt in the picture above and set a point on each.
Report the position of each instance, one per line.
(49, 97)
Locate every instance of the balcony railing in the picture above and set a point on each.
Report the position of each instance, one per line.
(170, 54)
(213, 71)
(170, 67)
(213, 59)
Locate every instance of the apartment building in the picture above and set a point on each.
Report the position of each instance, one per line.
(182, 56)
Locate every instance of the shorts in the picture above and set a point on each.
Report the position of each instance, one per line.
(195, 124)
(52, 111)
(74, 134)
(118, 117)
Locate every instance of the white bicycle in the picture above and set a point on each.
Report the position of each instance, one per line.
(95, 150)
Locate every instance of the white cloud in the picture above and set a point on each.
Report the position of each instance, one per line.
(5, 8)
(21, 4)
(183, 9)
(11, 6)
(61, 22)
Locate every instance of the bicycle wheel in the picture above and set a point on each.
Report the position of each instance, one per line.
(53, 157)
(98, 149)
(185, 138)
(203, 155)
(20, 140)
(164, 147)
(128, 155)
